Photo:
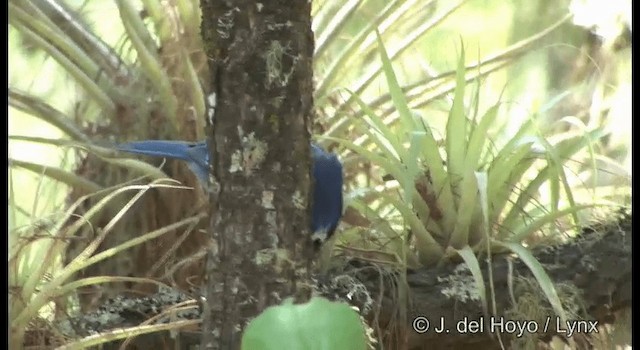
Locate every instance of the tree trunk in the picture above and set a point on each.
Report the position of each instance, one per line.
(259, 113)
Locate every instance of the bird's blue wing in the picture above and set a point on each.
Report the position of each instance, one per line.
(327, 193)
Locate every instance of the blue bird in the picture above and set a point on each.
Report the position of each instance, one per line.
(327, 176)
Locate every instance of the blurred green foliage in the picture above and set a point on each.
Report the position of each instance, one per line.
(316, 325)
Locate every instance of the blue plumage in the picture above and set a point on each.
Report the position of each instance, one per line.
(327, 193)
(327, 176)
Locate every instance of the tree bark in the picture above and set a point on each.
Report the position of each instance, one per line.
(259, 114)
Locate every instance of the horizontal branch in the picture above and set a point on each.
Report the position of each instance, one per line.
(592, 274)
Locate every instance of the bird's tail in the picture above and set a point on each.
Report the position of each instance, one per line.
(159, 148)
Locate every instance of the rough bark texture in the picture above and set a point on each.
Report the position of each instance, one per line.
(260, 104)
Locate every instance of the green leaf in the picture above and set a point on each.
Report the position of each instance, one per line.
(390, 164)
(374, 217)
(38, 108)
(506, 171)
(23, 23)
(480, 220)
(537, 223)
(147, 49)
(479, 135)
(466, 208)
(397, 95)
(67, 177)
(466, 253)
(457, 125)
(317, 325)
(389, 141)
(409, 180)
(540, 274)
(564, 150)
(341, 61)
(430, 250)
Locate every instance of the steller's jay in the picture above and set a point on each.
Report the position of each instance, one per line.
(327, 176)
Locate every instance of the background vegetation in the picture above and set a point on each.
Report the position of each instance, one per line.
(468, 122)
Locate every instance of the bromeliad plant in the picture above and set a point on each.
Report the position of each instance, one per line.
(43, 286)
(466, 198)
